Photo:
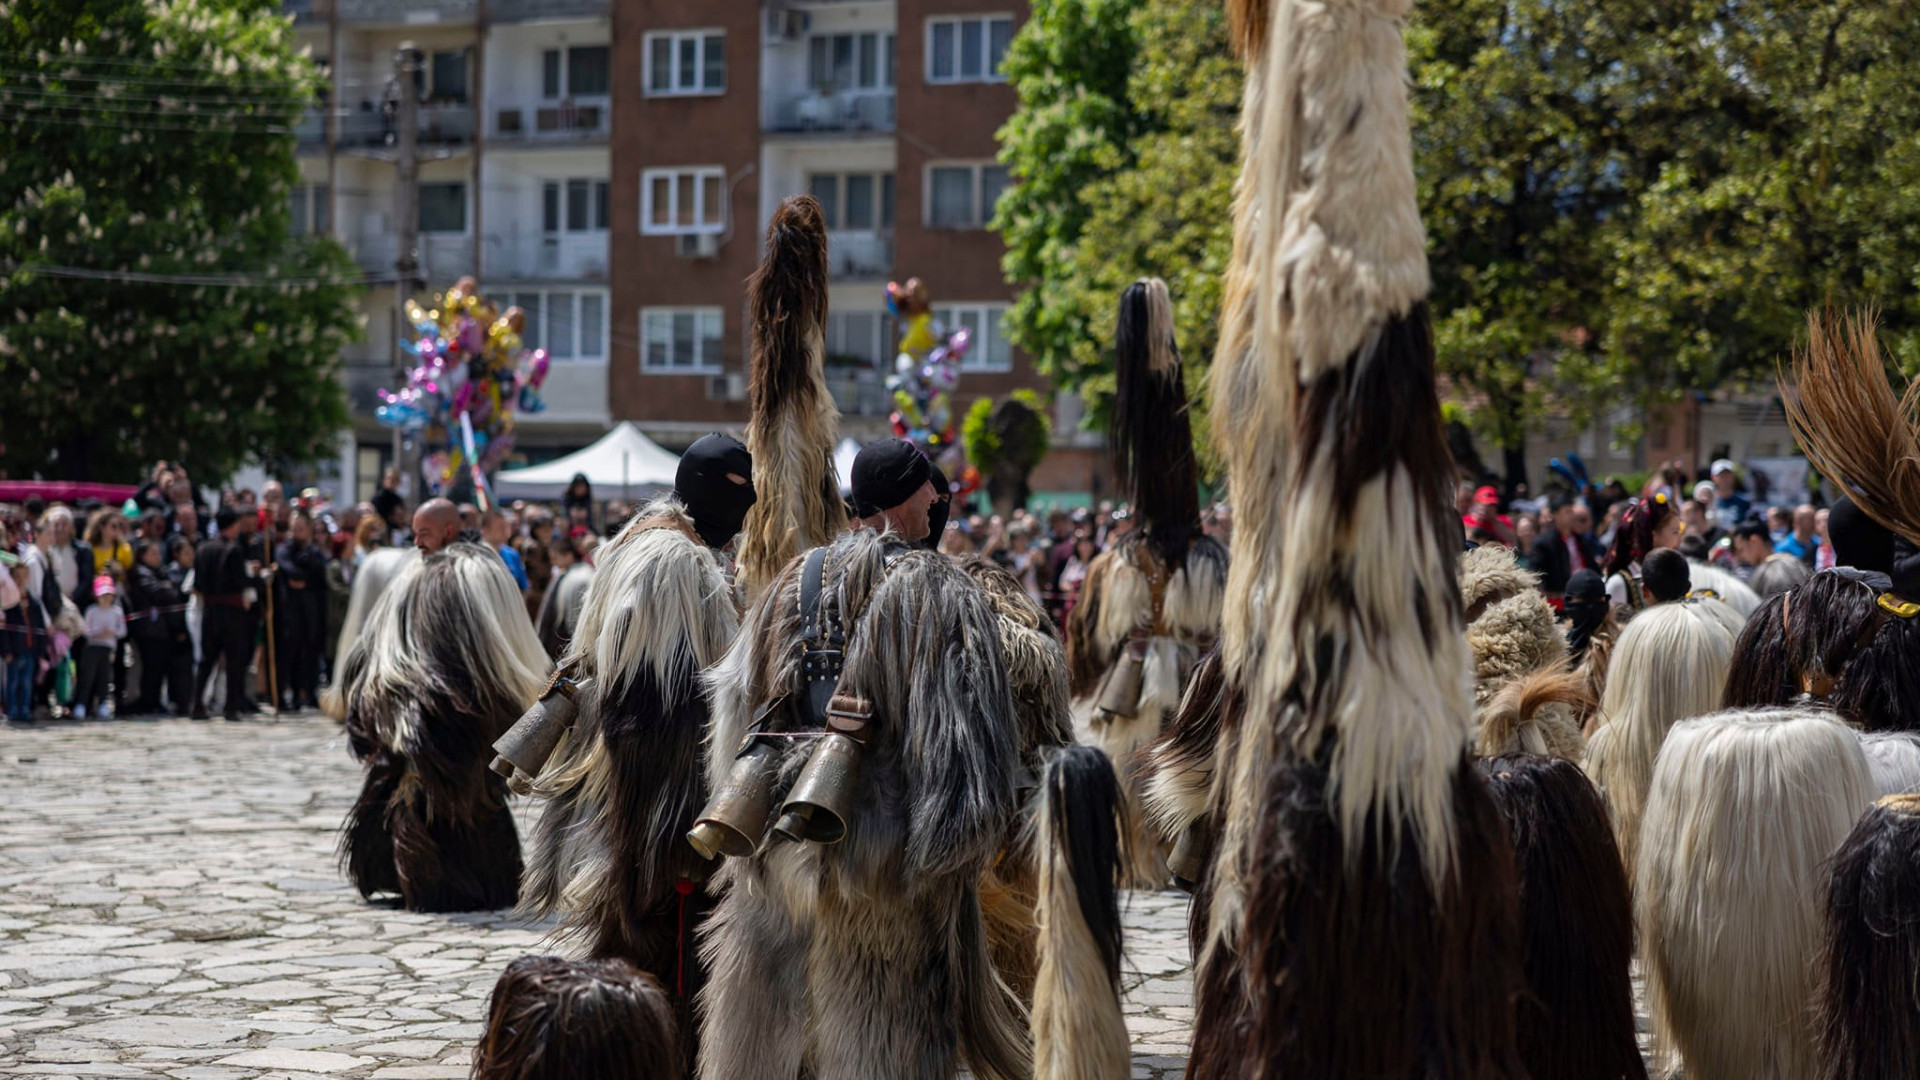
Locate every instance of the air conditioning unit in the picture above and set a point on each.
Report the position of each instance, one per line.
(729, 387)
(786, 24)
(696, 245)
(510, 123)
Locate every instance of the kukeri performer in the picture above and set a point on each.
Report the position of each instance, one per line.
(442, 667)
(868, 713)
(622, 788)
(1364, 911)
(1150, 606)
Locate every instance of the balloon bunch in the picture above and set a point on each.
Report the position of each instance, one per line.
(925, 373)
(473, 373)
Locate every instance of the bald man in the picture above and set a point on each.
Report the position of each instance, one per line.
(435, 525)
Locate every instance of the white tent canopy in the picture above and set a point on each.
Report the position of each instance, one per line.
(624, 463)
(843, 456)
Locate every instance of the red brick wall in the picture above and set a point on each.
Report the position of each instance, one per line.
(651, 132)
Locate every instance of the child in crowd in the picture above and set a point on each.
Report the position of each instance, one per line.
(24, 642)
(106, 626)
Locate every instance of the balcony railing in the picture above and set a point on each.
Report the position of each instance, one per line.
(860, 254)
(311, 132)
(407, 12)
(444, 257)
(832, 110)
(552, 122)
(859, 391)
(548, 256)
(538, 10)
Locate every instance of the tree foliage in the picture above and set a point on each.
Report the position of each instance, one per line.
(1006, 441)
(154, 302)
(1625, 199)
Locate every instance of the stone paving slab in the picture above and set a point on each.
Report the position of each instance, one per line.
(170, 907)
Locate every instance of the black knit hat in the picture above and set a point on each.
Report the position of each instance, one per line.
(887, 473)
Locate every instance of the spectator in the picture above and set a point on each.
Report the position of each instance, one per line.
(225, 582)
(1751, 546)
(158, 626)
(577, 503)
(1728, 503)
(1665, 576)
(153, 528)
(107, 536)
(1777, 573)
(300, 596)
(1801, 541)
(387, 502)
(1563, 548)
(25, 642)
(1647, 524)
(1700, 522)
(340, 567)
(61, 565)
(1824, 560)
(1526, 530)
(186, 521)
(495, 528)
(538, 560)
(106, 626)
(435, 525)
(1074, 575)
(371, 533)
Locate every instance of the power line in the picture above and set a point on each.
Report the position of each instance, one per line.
(291, 97)
(221, 280)
(146, 112)
(119, 125)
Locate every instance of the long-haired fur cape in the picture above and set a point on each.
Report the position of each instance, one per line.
(792, 420)
(628, 780)
(554, 1019)
(1150, 433)
(1830, 642)
(1747, 805)
(1869, 1001)
(867, 959)
(1363, 918)
(445, 663)
(1668, 665)
(376, 572)
(559, 616)
(1576, 922)
(1510, 626)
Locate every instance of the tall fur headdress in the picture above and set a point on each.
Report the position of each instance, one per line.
(1151, 434)
(793, 421)
(1851, 425)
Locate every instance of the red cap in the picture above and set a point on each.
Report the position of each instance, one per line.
(1487, 496)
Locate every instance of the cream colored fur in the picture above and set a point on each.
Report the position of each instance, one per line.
(1078, 1030)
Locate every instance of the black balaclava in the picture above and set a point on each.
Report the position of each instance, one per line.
(939, 511)
(1858, 540)
(1586, 605)
(887, 473)
(717, 504)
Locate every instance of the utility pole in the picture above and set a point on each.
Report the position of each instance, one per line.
(406, 219)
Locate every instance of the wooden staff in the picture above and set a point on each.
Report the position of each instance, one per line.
(273, 669)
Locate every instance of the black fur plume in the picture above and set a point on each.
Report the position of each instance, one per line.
(1151, 434)
(1869, 1004)
(1082, 797)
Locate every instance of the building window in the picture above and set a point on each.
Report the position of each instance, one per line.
(584, 202)
(678, 201)
(686, 62)
(969, 49)
(449, 77)
(850, 62)
(855, 335)
(963, 196)
(443, 208)
(990, 350)
(310, 204)
(860, 202)
(680, 341)
(571, 324)
(583, 71)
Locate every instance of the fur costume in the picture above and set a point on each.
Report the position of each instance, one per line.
(1510, 625)
(554, 1019)
(1832, 642)
(1894, 759)
(1151, 605)
(1536, 714)
(622, 789)
(1736, 594)
(1576, 922)
(445, 663)
(1869, 1001)
(376, 572)
(1748, 806)
(1668, 666)
(559, 615)
(868, 959)
(792, 422)
(1363, 913)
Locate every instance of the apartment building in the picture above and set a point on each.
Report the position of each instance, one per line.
(610, 165)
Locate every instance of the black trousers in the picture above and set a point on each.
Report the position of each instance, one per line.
(226, 633)
(155, 655)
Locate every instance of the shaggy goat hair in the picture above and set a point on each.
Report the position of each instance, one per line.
(626, 783)
(1869, 1001)
(1510, 625)
(1150, 433)
(1078, 1030)
(1668, 665)
(1362, 912)
(867, 959)
(792, 420)
(560, 606)
(1831, 642)
(1732, 592)
(375, 573)
(1536, 714)
(1851, 425)
(1748, 806)
(1575, 1021)
(554, 1019)
(444, 665)
(1894, 759)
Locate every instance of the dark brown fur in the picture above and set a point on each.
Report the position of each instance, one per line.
(1575, 1022)
(787, 296)
(1085, 663)
(1150, 433)
(1830, 631)
(554, 1019)
(1869, 1001)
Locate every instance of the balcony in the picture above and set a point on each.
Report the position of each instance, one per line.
(856, 255)
(831, 111)
(444, 257)
(557, 122)
(571, 256)
(407, 12)
(310, 134)
(505, 11)
(859, 391)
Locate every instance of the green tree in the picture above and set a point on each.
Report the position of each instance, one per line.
(154, 302)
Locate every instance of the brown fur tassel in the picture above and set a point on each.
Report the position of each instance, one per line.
(1847, 419)
(554, 1019)
(793, 421)
(1151, 435)
(1537, 714)
(1575, 1022)
(1869, 1003)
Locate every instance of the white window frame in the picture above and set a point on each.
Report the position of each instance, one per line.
(981, 213)
(539, 337)
(675, 37)
(703, 365)
(880, 345)
(566, 74)
(977, 360)
(595, 185)
(700, 174)
(990, 73)
(885, 211)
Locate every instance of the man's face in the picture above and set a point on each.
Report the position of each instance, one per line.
(1722, 483)
(1751, 550)
(432, 532)
(1582, 520)
(909, 519)
(1695, 516)
(495, 530)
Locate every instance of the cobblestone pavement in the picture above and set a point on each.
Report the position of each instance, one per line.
(169, 907)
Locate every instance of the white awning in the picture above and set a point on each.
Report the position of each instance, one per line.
(624, 464)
